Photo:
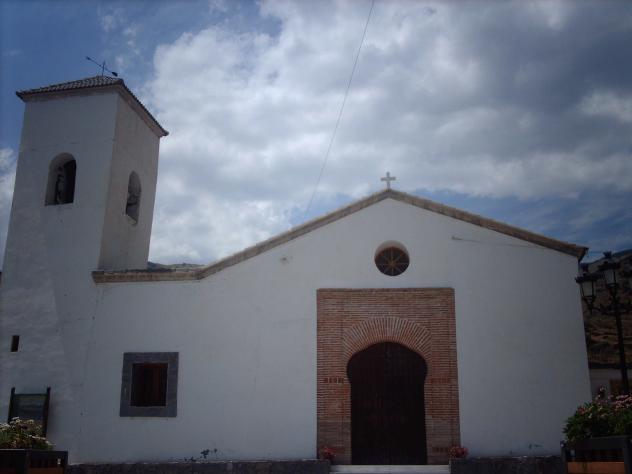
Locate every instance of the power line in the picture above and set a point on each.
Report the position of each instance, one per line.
(342, 107)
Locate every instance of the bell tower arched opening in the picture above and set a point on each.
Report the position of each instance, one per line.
(132, 205)
(62, 172)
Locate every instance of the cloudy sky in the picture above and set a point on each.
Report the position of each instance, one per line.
(518, 111)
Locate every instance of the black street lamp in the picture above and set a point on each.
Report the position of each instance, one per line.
(609, 271)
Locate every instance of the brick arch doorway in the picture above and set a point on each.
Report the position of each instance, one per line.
(387, 405)
(349, 321)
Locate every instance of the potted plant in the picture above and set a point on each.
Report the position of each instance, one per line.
(328, 453)
(599, 437)
(23, 450)
(457, 452)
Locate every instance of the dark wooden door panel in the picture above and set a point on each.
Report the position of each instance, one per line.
(387, 406)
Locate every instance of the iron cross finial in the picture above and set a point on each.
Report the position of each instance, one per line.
(388, 178)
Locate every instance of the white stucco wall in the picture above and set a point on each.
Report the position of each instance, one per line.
(47, 295)
(247, 341)
(125, 243)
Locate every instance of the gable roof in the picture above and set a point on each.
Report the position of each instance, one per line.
(101, 276)
(95, 83)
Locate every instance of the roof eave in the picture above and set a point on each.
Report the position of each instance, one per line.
(120, 87)
(101, 276)
(491, 224)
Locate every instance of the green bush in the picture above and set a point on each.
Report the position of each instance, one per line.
(604, 416)
(22, 434)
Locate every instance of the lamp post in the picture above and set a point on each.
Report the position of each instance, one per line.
(609, 270)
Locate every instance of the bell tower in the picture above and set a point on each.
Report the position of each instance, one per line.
(86, 178)
(83, 200)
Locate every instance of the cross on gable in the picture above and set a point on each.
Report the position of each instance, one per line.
(388, 178)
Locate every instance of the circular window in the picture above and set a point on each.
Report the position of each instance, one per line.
(392, 261)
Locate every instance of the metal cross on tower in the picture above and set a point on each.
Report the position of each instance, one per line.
(388, 178)
(102, 66)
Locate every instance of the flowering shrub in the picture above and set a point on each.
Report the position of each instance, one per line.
(327, 453)
(457, 452)
(22, 434)
(604, 416)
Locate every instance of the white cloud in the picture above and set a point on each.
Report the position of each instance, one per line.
(120, 34)
(484, 99)
(251, 113)
(220, 6)
(554, 13)
(108, 21)
(215, 227)
(7, 180)
(7, 176)
(608, 104)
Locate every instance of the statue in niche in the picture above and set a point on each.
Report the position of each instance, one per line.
(60, 186)
(133, 202)
(61, 183)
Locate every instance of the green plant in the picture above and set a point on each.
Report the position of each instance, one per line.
(604, 416)
(623, 415)
(22, 434)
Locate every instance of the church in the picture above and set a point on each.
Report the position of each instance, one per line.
(388, 331)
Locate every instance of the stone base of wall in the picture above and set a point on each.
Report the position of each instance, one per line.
(508, 465)
(308, 466)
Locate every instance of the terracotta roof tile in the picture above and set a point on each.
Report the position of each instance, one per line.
(88, 82)
(94, 82)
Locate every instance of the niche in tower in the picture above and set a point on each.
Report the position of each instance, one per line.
(61, 180)
(132, 206)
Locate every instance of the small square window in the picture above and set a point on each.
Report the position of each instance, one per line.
(149, 384)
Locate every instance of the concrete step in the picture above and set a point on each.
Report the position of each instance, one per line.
(425, 469)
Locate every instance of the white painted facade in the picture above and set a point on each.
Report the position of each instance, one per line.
(246, 335)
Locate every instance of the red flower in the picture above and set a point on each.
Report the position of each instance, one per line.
(458, 452)
(327, 453)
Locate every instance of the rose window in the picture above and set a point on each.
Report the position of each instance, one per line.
(392, 261)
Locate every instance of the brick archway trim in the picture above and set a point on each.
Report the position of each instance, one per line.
(421, 319)
(387, 329)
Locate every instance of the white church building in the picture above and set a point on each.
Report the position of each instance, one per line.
(388, 330)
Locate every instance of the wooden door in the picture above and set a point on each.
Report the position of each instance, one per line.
(387, 405)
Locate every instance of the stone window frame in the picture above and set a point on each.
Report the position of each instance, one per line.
(171, 407)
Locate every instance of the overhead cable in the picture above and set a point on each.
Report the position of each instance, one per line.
(342, 107)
